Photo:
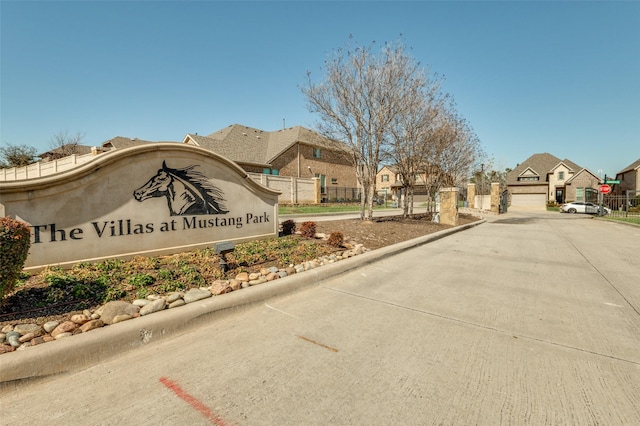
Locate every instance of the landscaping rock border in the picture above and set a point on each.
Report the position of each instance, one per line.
(16, 337)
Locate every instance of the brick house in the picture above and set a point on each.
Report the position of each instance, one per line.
(629, 178)
(389, 183)
(544, 178)
(294, 152)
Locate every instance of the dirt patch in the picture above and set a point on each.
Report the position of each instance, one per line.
(385, 231)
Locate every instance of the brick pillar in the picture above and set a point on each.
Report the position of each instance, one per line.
(449, 206)
(495, 197)
(471, 195)
(317, 190)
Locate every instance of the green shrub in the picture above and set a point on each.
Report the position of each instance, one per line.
(336, 239)
(288, 227)
(141, 280)
(15, 240)
(308, 229)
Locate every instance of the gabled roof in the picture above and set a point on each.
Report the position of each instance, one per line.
(575, 175)
(542, 164)
(529, 172)
(120, 142)
(633, 166)
(248, 145)
(568, 164)
(65, 149)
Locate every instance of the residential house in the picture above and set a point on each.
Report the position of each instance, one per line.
(389, 182)
(120, 142)
(295, 152)
(64, 151)
(544, 178)
(629, 178)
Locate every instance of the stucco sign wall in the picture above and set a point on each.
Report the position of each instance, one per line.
(147, 200)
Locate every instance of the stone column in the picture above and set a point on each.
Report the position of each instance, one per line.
(317, 190)
(449, 206)
(495, 197)
(471, 195)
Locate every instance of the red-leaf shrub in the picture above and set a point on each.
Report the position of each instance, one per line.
(336, 239)
(288, 227)
(15, 240)
(308, 229)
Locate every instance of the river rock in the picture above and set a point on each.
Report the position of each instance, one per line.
(26, 337)
(65, 327)
(80, 318)
(2, 337)
(290, 270)
(91, 325)
(272, 276)
(13, 338)
(254, 276)
(6, 348)
(62, 335)
(235, 284)
(243, 276)
(7, 328)
(121, 318)
(49, 326)
(140, 302)
(37, 341)
(260, 280)
(28, 328)
(220, 287)
(177, 303)
(196, 294)
(173, 297)
(153, 306)
(114, 308)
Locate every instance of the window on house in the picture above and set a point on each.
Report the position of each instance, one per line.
(579, 194)
(385, 178)
(316, 152)
(528, 178)
(561, 175)
(334, 181)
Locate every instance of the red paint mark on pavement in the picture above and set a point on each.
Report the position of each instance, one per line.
(192, 401)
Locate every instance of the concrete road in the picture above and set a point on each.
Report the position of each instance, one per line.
(526, 319)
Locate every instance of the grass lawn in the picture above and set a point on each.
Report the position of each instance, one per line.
(325, 208)
(632, 219)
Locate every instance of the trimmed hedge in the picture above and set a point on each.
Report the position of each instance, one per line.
(15, 240)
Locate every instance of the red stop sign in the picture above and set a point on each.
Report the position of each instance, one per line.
(605, 189)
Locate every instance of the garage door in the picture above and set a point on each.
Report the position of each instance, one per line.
(529, 201)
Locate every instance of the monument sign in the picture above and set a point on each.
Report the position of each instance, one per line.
(147, 200)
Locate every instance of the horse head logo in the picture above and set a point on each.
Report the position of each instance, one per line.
(188, 192)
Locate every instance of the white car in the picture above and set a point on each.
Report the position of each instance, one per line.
(580, 207)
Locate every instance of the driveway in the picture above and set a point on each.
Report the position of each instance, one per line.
(526, 319)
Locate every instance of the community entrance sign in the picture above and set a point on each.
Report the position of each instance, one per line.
(148, 200)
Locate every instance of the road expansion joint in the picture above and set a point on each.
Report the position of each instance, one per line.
(482, 326)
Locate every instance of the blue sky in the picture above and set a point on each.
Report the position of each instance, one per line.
(530, 77)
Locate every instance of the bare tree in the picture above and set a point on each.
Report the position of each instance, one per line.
(411, 136)
(363, 93)
(16, 155)
(455, 148)
(64, 144)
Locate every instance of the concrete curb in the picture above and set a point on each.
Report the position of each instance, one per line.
(86, 349)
